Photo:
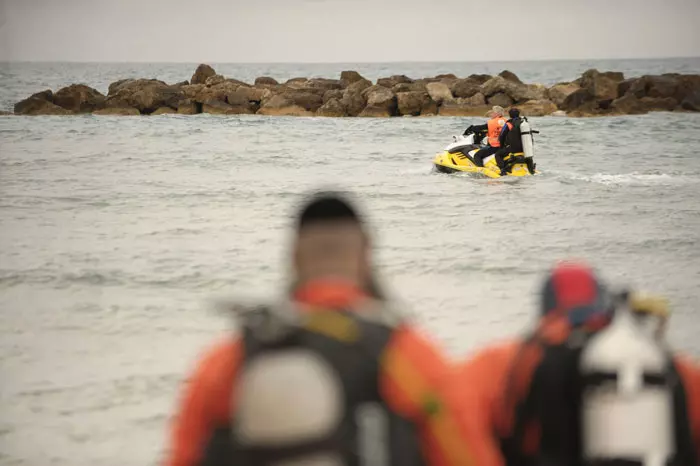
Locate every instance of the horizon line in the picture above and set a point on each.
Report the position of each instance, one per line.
(342, 62)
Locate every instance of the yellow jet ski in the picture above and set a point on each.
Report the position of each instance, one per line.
(459, 157)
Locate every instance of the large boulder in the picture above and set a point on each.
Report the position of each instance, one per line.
(192, 91)
(381, 102)
(283, 105)
(439, 92)
(394, 80)
(354, 100)
(332, 108)
(79, 98)
(462, 107)
(164, 111)
(500, 99)
(332, 94)
(603, 86)
(266, 81)
(114, 87)
(577, 99)
(477, 100)
(214, 80)
(189, 107)
(146, 95)
(349, 77)
(305, 98)
(628, 104)
(325, 84)
(216, 107)
(537, 108)
(201, 74)
(249, 94)
(480, 78)
(401, 87)
(510, 76)
(654, 86)
(117, 111)
(412, 103)
(34, 102)
(692, 102)
(559, 92)
(419, 85)
(465, 87)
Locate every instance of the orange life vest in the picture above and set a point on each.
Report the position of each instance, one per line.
(495, 125)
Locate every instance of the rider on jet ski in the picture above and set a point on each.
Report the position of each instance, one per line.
(511, 143)
(493, 128)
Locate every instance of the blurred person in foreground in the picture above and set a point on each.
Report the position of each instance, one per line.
(588, 385)
(331, 377)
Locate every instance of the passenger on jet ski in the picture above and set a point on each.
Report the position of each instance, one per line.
(492, 128)
(511, 143)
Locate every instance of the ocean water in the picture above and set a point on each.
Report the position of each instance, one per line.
(117, 233)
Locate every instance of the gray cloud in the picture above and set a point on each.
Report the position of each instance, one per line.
(345, 30)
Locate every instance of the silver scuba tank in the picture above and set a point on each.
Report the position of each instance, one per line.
(626, 415)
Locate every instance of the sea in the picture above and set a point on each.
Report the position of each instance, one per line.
(119, 236)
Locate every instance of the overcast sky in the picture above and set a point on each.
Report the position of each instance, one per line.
(345, 30)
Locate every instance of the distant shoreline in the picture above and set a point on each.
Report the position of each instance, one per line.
(352, 95)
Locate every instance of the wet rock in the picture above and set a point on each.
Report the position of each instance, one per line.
(401, 87)
(461, 107)
(537, 108)
(510, 76)
(35, 102)
(79, 98)
(412, 103)
(332, 94)
(654, 86)
(419, 85)
(164, 111)
(325, 84)
(146, 95)
(500, 99)
(624, 86)
(349, 77)
(266, 81)
(559, 92)
(465, 87)
(214, 80)
(603, 86)
(430, 108)
(4, 113)
(481, 78)
(191, 91)
(577, 99)
(283, 105)
(477, 100)
(628, 104)
(332, 108)
(216, 107)
(305, 98)
(559, 113)
(393, 81)
(117, 111)
(439, 92)
(380, 102)
(692, 102)
(249, 94)
(354, 100)
(201, 74)
(189, 107)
